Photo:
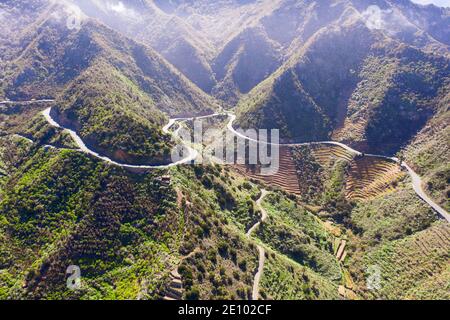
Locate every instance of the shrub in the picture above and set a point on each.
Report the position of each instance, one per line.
(193, 294)
(223, 248)
(243, 265)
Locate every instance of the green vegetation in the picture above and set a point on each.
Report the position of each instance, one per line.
(60, 209)
(409, 101)
(285, 107)
(140, 235)
(415, 267)
(124, 124)
(312, 177)
(334, 201)
(401, 236)
(391, 217)
(219, 261)
(428, 154)
(111, 89)
(284, 279)
(348, 84)
(244, 62)
(296, 233)
(303, 98)
(220, 271)
(323, 185)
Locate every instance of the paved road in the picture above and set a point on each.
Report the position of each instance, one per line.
(230, 127)
(193, 154)
(417, 185)
(27, 102)
(416, 179)
(262, 252)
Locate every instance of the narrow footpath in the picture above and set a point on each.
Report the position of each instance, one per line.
(262, 252)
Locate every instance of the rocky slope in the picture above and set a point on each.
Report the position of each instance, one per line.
(317, 70)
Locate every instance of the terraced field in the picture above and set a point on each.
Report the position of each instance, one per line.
(285, 279)
(286, 177)
(415, 267)
(369, 177)
(352, 130)
(325, 154)
(175, 289)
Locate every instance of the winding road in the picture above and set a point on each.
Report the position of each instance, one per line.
(264, 193)
(417, 186)
(417, 182)
(230, 127)
(27, 102)
(262, 252)
(192, 154)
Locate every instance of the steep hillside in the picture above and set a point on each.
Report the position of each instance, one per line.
(422, 26)
(58, 55)
(114, 117)
(401, 246)
(173, 38)
(244, 62)
(307, 93)
(15, 20)
(81, 67)
(61, 208)
(429, 152)
(409, 99)
(134, 235)
(126, 232)
(219, 21)
(352, 84)
(330, 224)
(392, 231)
(229, 47)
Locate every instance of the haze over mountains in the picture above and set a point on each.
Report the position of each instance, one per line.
(369, 73)
(374, 74)
(321, 54)
(228, 47)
